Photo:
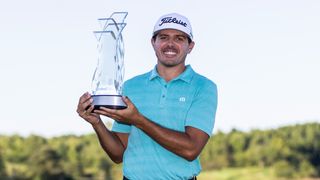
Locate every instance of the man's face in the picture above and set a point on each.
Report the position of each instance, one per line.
(171, 47)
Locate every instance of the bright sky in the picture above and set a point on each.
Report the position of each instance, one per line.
(263, 55)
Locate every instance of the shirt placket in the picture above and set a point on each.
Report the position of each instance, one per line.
(163, 98)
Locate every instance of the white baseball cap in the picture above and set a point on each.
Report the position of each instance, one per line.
(173, 21)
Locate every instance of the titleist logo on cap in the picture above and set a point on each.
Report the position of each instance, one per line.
(172, 20)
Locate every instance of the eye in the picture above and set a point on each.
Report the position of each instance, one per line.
(162, 37)
(181, 38)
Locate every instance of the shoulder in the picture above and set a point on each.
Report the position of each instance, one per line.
(202, 81)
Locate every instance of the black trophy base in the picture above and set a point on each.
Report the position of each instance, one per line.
(108, 101)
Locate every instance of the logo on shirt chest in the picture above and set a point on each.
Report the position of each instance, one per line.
(182, 99)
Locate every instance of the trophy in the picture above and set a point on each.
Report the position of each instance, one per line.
(108, 76)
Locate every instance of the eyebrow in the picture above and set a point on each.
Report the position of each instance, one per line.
(178, 35)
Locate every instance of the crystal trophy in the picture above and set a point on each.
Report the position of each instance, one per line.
(108, 76)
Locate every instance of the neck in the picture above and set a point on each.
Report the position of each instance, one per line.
(169, 73)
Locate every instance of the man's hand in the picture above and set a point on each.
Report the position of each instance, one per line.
(85, 108)
(130, 115)
(113, 144)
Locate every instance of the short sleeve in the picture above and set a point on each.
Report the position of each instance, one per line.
(120, 127)
(202, 111)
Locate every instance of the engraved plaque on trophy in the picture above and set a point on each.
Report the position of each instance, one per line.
(108, 76)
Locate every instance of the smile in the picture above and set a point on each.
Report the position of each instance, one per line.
(170, 53)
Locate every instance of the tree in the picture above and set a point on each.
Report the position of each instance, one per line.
(45, 164)
(307, 170)
(237, 144)
(2, 165)
(285, 169)
(215, 155)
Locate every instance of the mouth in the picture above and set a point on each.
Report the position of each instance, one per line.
(170, 51)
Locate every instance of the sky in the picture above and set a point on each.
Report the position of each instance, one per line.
(264, 57)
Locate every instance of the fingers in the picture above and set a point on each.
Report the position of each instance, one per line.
(88, 110)
(84, 97)
(123, 115)
(111, 113)
(127, 101)
(106, 111)
(85, 104)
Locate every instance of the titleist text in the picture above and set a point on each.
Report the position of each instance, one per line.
(172, 20)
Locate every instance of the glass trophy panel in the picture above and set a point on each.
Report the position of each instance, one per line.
(108, 76)
(103, 80)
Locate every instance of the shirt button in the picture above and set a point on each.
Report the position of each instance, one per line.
(163, 96)
(165, 86)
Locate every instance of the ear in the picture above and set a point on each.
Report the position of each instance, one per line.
(191, 45)
(152, 42)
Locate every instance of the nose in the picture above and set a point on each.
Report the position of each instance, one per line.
(170, 43)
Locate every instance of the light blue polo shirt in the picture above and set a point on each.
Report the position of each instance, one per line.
(188, 100)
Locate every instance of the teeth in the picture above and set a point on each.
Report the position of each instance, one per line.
(169, 53)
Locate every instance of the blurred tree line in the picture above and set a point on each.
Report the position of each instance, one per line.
(293, 151)
(58, 158)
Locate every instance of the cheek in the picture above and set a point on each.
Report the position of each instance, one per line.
(157, 52)
(156, 46)
(186, 49)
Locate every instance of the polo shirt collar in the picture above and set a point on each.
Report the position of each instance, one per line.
(154, 73)
(186, 75)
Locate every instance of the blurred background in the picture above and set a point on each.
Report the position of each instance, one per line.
(263, 55)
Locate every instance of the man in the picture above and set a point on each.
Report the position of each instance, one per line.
(170, 113)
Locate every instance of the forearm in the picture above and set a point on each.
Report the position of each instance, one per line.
(186, 144)
(110, 143)
(180, 143)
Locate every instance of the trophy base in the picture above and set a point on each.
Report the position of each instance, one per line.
(108, 101)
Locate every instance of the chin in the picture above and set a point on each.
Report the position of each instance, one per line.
(170, 64)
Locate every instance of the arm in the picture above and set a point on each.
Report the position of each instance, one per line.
(113, 144)
(186, 144)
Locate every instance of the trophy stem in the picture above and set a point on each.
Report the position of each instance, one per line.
(108, 101)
